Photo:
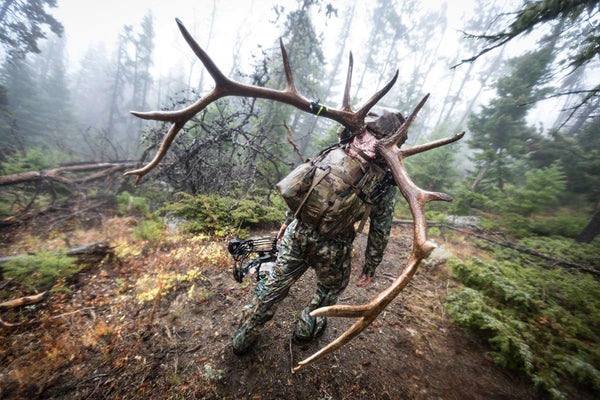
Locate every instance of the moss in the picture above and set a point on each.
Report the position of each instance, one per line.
(40, 270)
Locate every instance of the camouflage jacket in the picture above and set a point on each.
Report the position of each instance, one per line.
(379, 230)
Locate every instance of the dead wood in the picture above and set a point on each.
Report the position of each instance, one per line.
(85, 253)
(514, 246)
(8, 324)
(75, 214)
(27, 215)
(57, 174)
(25, 301)
(5, 284)
(291, 141)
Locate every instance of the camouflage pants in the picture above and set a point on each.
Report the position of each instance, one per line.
(300, 248)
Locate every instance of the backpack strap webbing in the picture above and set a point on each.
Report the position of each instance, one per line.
(316, 181)
(363, 221)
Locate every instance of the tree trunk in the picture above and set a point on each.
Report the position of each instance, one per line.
(459, 91)
(480, 175)
(592, 229)
(490, 71)
(116, 89)
(583, 117)
(336, 66)
(446, 98)
(24, 301)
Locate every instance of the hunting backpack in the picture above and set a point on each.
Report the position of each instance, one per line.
(333, 190)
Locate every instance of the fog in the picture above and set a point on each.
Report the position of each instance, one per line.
(255, 23)
(421, 39)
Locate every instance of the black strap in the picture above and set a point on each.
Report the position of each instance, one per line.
(318, 109)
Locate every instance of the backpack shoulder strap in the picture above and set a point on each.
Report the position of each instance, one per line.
(315, 182)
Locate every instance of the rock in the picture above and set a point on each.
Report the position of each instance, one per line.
(173, 223)
(440, 253)
(463, 221)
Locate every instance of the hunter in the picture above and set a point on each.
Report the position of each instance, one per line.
(325, 244)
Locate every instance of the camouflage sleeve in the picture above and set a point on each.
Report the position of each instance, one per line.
(379, 231)
(289, 217)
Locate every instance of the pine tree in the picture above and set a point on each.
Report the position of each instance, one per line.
(500, 129)
(25, 125)
(91, 87)
(576, 27)
(120, 74)
(55, 95)
(303, 46)
(21, 25)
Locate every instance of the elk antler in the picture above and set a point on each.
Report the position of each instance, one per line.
(226, 87)
(417, 198)
(355, 122)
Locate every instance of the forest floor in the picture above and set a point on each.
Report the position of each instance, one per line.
(157, 321)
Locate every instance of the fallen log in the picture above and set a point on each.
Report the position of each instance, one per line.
(27, 215)
(57, 174)
(24, 301)
(512, 245)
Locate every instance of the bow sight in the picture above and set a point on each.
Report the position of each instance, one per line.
(252, 253)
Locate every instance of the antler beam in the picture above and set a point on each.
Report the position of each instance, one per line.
(227, 87)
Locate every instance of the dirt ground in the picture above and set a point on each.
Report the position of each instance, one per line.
(111, 338)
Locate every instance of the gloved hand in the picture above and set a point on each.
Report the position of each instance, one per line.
(364, 280)
(281, 232)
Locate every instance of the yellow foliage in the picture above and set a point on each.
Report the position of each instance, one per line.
(164, 281)
(125, 249)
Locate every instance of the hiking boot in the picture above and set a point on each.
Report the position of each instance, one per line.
(308, 328)
(244, 340)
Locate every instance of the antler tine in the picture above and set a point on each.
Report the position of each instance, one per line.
(164, 146)
(417, 198)
(213, 70)
(346, 101)
(364, 110)
(403, 130)
(367, 313)
(286, 66)
(431, 145)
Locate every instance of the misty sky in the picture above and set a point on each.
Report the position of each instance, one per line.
(87, 22)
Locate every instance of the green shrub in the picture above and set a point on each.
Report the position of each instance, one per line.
(564, 225)
(541, 191)
(223, 215)
(516, 224)
(434, 231)
(129, 204)
(149, 229)
(544, 322)
(556, 246)
(40, 270)
(34, 160)
(465, 200)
